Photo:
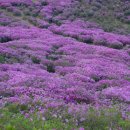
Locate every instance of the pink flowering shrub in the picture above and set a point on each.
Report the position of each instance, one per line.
(52, 62)
(91, 35)
(66, 69)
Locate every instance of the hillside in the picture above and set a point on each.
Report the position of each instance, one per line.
(66, 61)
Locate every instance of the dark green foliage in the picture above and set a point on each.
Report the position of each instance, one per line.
(52, 57)
(117, 46)
(16, 108)
(36, 60)
(127, 12)
(51, 68)
(103, 86)
(16, 4)
(128, 78)
(88, 40)
(17, 13)
(44, 3)
(5, 39)
(97, 78)
(2, 59)
(9, 59)
(90, 13)
(27, 12)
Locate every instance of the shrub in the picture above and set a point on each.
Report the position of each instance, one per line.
(44, 3)
(90, 13)
(5, 39)
(35, 60)
(10, 59)
(17, 13)
(2, 59)
(51, 68)
(127, 12)
(27, 12)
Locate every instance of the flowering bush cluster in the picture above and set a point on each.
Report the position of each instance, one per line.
(50, 62)
(38, 65)
(42, 13)
(89, 34)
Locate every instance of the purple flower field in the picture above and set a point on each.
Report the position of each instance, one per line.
(49, 58)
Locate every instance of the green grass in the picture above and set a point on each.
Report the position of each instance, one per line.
(103, 119)
(104, 15)
(110, 24)
(2, 59)
(108, 118)
(11, 119)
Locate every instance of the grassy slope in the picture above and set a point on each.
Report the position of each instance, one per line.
(105, 14)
